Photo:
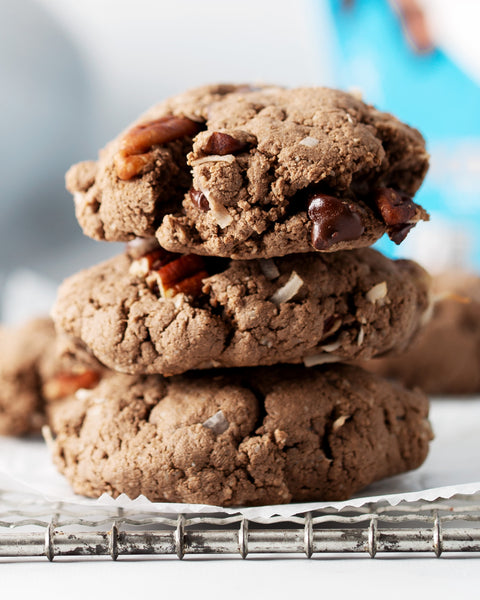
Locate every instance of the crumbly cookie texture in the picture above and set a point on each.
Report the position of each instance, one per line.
(36, 372)
(260, 436)
(271, 171)
(315, 308)
(445, 358)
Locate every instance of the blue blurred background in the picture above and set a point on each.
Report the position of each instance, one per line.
(74, 73)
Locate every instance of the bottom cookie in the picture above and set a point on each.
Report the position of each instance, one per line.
(244, 437)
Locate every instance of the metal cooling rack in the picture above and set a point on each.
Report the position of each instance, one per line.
(33, 527)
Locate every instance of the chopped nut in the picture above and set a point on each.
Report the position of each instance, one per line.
(134, 154)
(191, 286)
(171, 274)
(377, 293)
(180, 268)
(287, 291)
(223, 143)
(66, 384)
(199, 199)
(151, 261)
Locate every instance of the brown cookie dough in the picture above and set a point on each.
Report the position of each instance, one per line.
(315, 308)
(445, 357)
(35, 373)
(259, 436)
(275, 171)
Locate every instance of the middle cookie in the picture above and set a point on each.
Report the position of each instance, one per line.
(165, 313)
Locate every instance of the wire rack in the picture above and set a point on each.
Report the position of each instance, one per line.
(32, 527)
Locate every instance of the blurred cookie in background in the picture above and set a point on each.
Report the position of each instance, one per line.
(38, 369)
(445, 358)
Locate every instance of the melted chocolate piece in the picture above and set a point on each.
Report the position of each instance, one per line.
(333, 221)
(199, 199)
(222, 143)
(397, 209)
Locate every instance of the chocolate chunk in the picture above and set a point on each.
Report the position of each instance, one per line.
(222, 143)
(333, 221)
(199, 199)
(395, 207)
(397, 210)
(398, 233)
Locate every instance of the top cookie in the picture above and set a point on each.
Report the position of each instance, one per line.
(275, 171)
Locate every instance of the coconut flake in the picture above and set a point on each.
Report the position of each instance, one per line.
(228, 158)
(269, 268)
(48, 437)
(287, 291)
(219, 212)
(340, 422)
(217, 423)
(334, 327)
(361, 336)
(377, 293)
(331, 347)
(320, 359)
(310, 142)
(141, 246)
(83, 394)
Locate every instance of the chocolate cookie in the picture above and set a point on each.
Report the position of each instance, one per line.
(244, 437)
(275, 171)
(164, 313)
(445, 358)
(33, 374)
(21, 353)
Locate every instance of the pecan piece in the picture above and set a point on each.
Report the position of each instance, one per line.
(192, 286)
(65, 384)
(222, 144)
(333, 221)
(134, 154)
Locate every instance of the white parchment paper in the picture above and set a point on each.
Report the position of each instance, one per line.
(452, 467)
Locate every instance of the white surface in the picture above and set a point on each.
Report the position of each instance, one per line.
(253, 579)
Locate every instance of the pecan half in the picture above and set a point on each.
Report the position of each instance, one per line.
(134, 154)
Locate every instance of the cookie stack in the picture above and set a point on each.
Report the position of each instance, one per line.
(246, 281)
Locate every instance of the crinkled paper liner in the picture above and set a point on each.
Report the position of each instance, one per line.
(452, 467)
